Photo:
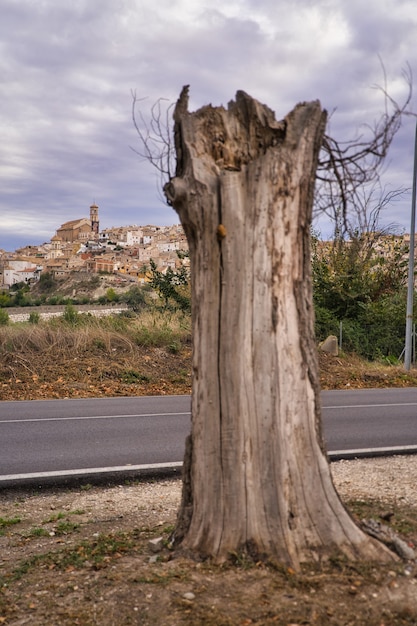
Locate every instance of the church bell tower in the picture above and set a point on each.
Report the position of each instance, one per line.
(94, 219)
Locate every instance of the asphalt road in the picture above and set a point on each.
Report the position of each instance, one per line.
(369, 420)
(92, 436)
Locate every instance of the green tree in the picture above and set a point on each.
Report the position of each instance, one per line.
(47, 283)
(135, 298)
(22, 297)
(111, 295)
(5, 299)
(172, 286)
(361, 283)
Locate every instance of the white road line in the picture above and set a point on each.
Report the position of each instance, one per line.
(370, 452)
(363, 452)
(86, 417)
(368, 406)
(91, 470)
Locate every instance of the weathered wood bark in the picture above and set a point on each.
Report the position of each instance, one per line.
(256, 476)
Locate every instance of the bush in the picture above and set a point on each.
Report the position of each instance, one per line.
(70, 315)
(47, 283)
(355, 285)
(4, 317)
(111, 295)
(34, 317)
(5, 300)
(135, 298)
(325, 324)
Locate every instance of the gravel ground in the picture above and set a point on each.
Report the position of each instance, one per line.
(389, 479)
(82, 556)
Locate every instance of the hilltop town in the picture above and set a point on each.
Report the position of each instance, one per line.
(80, 246)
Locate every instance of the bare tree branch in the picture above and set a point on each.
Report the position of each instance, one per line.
(348, 178)
(155, 136)
(349, 172)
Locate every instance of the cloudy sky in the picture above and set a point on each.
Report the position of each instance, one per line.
(68, 69)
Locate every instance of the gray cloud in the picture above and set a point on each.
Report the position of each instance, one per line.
(67, 71)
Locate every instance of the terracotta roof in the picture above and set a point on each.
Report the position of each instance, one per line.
(73, 223)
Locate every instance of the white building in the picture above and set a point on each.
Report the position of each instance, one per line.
(20, 272)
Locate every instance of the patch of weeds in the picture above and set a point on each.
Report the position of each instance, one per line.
(180, 377)
(401, 520)
(363, 509)
(6, 522)
(96, 554)
(163, 577)
(25, 566)
(99, 343)
(37, 531)
(77, 512)
(9, 521)
(404, 523)
(86, 487)
(133, 376)
(174, 347)
(287, 577)
(242, 560)
(54, 518)
(64, 528)
(209, 615)
(338, 564)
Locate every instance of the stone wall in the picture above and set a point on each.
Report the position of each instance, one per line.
(21, 314)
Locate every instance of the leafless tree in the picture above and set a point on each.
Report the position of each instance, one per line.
(348, 187)
(348, 178)
(155, 136)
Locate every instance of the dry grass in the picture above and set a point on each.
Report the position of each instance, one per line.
(117, 355)
(149, 353)
(151, 328)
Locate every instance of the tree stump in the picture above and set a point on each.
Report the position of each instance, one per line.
(256, 474)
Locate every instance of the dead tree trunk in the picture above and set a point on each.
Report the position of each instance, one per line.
(256, 476)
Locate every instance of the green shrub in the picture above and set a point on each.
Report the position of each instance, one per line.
(111, 295)
(34, 317)
(135, 298)
(4, 317)
(70, 315)
(366, 292)
(5, 300)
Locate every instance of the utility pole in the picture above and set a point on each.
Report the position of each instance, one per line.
(410, 290)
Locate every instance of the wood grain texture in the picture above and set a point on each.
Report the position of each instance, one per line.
(256, 475)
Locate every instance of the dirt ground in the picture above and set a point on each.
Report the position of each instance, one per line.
(146, 371)
(156, 371)
(81, 554)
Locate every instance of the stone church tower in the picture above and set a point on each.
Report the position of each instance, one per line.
(94, 219)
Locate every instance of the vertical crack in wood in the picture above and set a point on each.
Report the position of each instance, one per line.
(219, 338)
(221, 510)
